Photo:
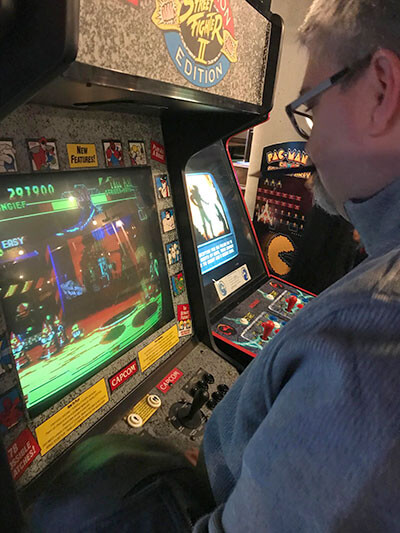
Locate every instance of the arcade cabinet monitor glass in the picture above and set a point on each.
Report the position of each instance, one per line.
(223, 235)
(83, 274)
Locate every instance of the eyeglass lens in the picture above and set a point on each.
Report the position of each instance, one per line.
(304, 120)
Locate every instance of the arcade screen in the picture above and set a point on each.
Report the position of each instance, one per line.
(82, 274)
(215, 238)
(224, 238)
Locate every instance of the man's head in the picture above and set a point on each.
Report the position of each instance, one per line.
(355, 140)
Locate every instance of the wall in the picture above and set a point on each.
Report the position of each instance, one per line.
(290, 76)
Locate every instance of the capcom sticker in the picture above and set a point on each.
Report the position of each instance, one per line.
(167, 220)
(21, 453)
(169, 380)
(82, 155)
(113, 154)
(10, 410)
(173, 252)
(8, 161)
(178, 283)
(157, 152)
(137, 153)
(162, 186)
(43, 154)
(123, 375)
(200, 38)
(184, 320)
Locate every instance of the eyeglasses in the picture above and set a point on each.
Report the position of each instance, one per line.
(299, 110)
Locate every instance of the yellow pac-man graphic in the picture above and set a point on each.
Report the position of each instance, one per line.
(277, 248)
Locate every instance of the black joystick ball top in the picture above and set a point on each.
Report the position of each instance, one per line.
(202, 385)
(189, 415)
(208, 378)
(211, 404)
(217, 396)
(222, 388)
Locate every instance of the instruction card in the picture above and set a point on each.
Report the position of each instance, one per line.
(156, 349)
(57, 427)
(231, 282)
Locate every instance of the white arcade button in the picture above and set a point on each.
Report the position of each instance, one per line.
(154, 401)
(135, 421)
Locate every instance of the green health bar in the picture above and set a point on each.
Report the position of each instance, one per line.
(64, 204)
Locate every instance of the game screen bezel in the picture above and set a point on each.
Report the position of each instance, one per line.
(214, 160)
(83, 257)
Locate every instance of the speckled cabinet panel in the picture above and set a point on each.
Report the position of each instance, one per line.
(70, 126)
(118, 36)
(158, 426)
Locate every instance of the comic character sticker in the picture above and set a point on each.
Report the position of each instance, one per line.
(162, 186)
(167, 220)
(173, 252)
(113, 154)
(178, 283)
(137, 153)
(8, 161)
(184, 320)
(43, 154)
(10, 410)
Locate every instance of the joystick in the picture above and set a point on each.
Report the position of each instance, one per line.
(190, 415)
(268, 328)
(291, 302)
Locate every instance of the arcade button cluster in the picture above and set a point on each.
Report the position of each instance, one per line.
(179, 412)
(260, 317)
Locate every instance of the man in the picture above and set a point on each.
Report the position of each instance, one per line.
(308, 438)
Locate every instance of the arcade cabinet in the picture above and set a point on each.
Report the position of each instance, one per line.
(246, 306)
(104, 314)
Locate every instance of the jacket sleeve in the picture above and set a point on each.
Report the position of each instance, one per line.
(325, 456)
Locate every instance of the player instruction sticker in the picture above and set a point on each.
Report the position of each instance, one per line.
(156, 349)
(82, 155)
(58, 426)
(231, 282)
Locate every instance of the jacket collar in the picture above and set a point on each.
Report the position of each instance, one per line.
(377, 219)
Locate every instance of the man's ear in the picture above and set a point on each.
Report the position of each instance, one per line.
(384, 77)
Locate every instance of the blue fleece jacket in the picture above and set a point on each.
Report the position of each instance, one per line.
(308, 438)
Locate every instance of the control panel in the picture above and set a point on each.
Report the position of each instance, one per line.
(177, 408)
(261, 316)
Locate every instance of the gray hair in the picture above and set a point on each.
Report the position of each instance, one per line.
(347, 31)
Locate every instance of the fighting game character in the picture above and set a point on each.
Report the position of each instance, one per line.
(18, 351)
(168, 223)
(43, 155)
(7, 158)
(198, 201)
(137, 155)
(48, 340)
(76, 332)
(163, 190)
(154, 271)
(114, 155)
(60, 332)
